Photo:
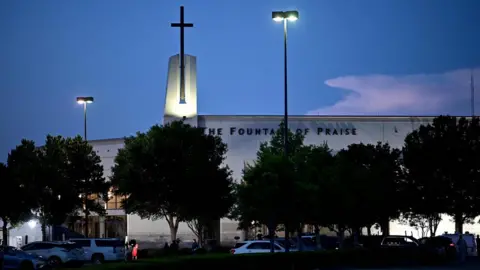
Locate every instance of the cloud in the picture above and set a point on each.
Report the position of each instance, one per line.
(418, 94)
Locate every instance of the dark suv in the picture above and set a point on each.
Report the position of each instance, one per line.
(438, 246)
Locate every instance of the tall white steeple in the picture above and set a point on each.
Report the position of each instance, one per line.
(178, 105)
(181, 96)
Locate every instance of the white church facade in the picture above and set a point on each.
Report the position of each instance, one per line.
(243, 135)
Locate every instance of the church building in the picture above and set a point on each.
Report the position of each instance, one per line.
(243, 135)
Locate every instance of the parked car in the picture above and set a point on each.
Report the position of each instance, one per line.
(57, 253)
(14, 258)
(255, 246)
(469, 238)
(399, 241)
(439, 246)
(99, 250)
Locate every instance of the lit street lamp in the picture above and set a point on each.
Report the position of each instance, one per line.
(84, 101)
(285, 16)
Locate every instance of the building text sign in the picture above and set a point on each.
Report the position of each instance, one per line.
(320, 129)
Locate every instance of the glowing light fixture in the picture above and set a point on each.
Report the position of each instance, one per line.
(84, 100)
(279, 16)
(32, 224)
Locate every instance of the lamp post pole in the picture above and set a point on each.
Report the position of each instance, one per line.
(84, 101)
(285, 16)
(85, 121)
(285, 88)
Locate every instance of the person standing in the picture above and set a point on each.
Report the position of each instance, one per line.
(195, 246)
(462, 249)
(135, 251)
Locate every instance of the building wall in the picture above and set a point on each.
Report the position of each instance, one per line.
(243, 135)
(28, 231)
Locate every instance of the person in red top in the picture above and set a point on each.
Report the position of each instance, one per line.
(135, 252)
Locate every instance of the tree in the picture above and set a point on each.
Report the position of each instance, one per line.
(441, 161)
(271, 190)
(42, 173)
(317, 188)
(427, 196)
(370, 179)
(212, 198)
(85, 172)
(13, 206)
(175, 161)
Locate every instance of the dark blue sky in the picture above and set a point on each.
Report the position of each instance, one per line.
(345, 57)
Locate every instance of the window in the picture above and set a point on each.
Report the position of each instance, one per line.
(115, 202)
(108, 243)
(238, 245)
(70, 246)
(82, 243)
(40, 246)
(259, 246)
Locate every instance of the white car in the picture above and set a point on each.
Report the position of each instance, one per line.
(98, 250)
(255, 246)
(57, 253)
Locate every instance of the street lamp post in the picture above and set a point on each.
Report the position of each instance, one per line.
(84, 101)
(285, 16)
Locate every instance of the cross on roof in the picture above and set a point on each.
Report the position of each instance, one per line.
(182, 26)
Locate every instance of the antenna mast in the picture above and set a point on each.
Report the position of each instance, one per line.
(472, 92)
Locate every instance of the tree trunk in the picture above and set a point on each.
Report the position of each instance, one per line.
(385, 225)
(271, 235)
(86, 224)
(355, 235)
(318, 241)
(173, 224)
(4, 233)
(287, 238)
(435, 222)
(299, 238)
(459, 223)
(173, 233)
(44, 229)
(341, 236)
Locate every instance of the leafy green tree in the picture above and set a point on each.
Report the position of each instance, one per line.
(370, 177)
(181, 166)
(211, 198)
(427, 195)
(42, 173)
(441, 160)
(271, 192)
(261, 197)
(85, 172)
(13, 206)
(317, 184)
